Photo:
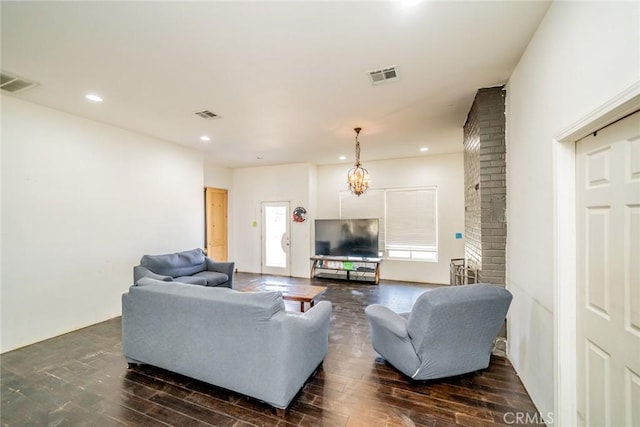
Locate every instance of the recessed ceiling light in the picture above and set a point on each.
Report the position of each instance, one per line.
(93, 97)
(342, 157)
(423, 149)
(205, 138)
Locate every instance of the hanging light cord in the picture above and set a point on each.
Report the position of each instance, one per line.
(357, 146)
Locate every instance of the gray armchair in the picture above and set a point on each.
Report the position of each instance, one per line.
(448, 332)
(191, 267)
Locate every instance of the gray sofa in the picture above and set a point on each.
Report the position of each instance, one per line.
(191, 267)
(241, 341)
(449, 330)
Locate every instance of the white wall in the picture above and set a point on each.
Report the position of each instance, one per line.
(582, 55)
(81, 203)
(284, 183)
(216, 176)
(446, 172)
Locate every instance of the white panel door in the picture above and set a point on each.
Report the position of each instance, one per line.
(276, 242)
(608, 273)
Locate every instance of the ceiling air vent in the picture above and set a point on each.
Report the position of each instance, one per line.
(383, 75)
(206, 114)
(14, 84)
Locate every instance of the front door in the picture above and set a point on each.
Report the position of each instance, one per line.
(275, 238)
(608, 275)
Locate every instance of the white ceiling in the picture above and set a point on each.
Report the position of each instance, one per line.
(290, 79)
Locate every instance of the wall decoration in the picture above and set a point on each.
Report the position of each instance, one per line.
(299, 214)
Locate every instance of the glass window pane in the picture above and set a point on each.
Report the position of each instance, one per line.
(424, 256)
(275, 229)
(399, 254)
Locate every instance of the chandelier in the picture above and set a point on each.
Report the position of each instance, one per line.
(358, 177)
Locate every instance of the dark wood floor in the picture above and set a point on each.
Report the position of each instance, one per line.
(82, 379)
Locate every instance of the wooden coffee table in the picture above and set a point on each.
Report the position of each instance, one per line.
(301, 293)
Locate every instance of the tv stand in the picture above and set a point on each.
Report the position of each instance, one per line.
(361, 267)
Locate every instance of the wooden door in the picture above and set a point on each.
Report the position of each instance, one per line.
(216, 223)
(608, 275)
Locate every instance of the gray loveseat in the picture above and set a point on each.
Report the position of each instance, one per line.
(449, 330)
(241, 341)
(191, 267)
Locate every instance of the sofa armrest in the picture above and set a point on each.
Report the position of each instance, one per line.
(222, 267)
(308, 332)
(390, 338)
(381, 316)
(315, 318)
(139, 272)
(303, 347)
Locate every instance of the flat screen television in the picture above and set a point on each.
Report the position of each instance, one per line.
(347, 237)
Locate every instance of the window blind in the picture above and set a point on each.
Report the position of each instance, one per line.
(411, 221)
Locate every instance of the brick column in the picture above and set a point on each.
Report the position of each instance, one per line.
(472, 210)
(485, 185)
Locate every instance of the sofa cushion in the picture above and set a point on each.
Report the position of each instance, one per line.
(191, 280)
(213, 278)
(178, 264)
(146, 281)
(229, 303)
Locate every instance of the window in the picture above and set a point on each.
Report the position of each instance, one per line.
(408, 220)
(411, 224)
